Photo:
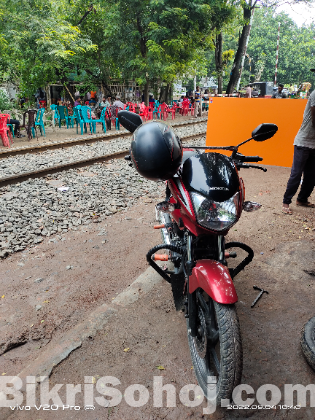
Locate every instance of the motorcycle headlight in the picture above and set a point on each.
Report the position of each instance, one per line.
(214, 215)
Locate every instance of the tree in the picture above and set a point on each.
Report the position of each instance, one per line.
(160, 40)
(296, 49)
(38, 42)
(248, 7)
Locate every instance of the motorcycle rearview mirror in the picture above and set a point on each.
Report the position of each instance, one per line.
(129, 120)
(264, 132)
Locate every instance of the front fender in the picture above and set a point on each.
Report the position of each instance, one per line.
(214, 278)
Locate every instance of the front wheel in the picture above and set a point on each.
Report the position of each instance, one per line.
(217, 348)
(308, 342)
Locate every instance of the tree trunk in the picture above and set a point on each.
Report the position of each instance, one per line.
(163, 94)
(170, 93)
(48, 96)
(146, 93)
(236, 69)
(218, 60)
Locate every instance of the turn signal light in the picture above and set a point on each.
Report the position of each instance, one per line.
(160, 257)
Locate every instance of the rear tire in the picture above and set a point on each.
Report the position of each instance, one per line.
(222, 357)
(308, 342)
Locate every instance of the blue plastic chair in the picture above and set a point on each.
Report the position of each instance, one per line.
(101, 120)
(56, 113)
(70, 118)
(79, 119)
(156, 110)
(39, 121)
(63, 115)
(86, 114)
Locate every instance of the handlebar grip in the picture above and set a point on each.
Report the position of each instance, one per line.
(252, 159)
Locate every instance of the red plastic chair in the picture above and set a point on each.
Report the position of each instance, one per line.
(4, 130)
(144, 112)
(163, 111)
(132, 107)
(173, 110)
(185, 108)
(192, 109)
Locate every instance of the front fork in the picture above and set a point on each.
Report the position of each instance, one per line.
(192, 297)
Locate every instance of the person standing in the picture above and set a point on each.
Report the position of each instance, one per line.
(198, 111)
(303, 160)
(279, 93)
(248, 93)
(118, 103)
(77, 101)
(105, 102)
(93, 96)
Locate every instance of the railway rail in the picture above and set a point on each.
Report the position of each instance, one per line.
(57, 144)
(19, 177)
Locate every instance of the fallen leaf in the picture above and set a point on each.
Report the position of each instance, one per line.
(160, 367)
(2, 297)
(126, 350)
(42, 321)
(46, 301)
(3, 374)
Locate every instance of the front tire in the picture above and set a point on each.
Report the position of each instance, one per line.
(218, 351)
(308, 342)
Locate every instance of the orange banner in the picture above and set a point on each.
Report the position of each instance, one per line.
(232, 120)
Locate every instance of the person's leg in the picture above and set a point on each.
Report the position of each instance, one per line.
(299, 160)
(16, 126)
(196, 109)
(200, 110)
(308, 178)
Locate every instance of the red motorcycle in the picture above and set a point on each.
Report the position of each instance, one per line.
(204, 198)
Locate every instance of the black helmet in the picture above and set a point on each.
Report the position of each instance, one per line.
(156, 151)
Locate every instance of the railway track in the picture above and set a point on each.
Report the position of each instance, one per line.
(22, 176)
(37, 204)
(57, 144)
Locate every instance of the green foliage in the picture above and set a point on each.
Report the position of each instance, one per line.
(38, 40)
(296, 49)
(150, 41)
(4, 100)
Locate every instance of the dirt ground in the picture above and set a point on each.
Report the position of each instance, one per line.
(148, 338)
(63, 133)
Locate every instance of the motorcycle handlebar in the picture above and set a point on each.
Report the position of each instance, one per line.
(242, 158)
(253, 159)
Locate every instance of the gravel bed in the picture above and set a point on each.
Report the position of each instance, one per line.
(14, 165)
(52, 205)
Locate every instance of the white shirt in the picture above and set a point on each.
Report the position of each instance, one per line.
(119, 104)
(306, 134)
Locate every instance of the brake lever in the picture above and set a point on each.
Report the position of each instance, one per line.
(244, 165)
(240, 165)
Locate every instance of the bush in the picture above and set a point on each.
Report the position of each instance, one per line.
(4, 100)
